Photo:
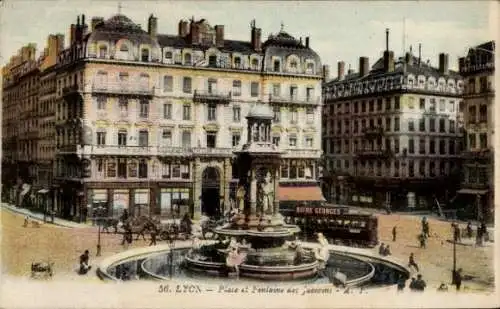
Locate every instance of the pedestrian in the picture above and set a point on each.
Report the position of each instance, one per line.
(469, 230)
(402, 284)
(153, 237)
(425, 227)
(387, 250)
(422, 240)
(84, 263)
(420, 283)
(394, 233)
(381, 249)
(411, 262)
(458, 279)
(413, 284)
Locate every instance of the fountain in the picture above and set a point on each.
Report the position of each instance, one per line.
(260, 244)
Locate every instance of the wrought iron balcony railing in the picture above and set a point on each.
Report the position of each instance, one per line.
(293, 99)
(213, 96)
(122, 89)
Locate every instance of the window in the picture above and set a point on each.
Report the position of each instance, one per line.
(122, 138)
(452, 126)
(421, 146)
(422, 104)
(255, 64)
(396, 168)
(166, 137)
(293, 115)
(144, 109)
(236, 139)
(101, 103)
(186, 112)
(276, 141)
(432, 146)
(396, 145)
(123, 77)
(212, 85)
(185, 171)
(276, 66)
(309, 142)
(186, 139)
(211, 139)
(411, 125)
(432, 106)
(309, 115)
(387, 104)
(103, 50)
(101, 138)
(292, 140)
(145, 55)
(143, 138)
(451, 106)
(176, 170)
(411, 168)
(236, 114)
(396, 103)
(123, 105)
(212, 61)
(212, 112)
(432, 125)
(186, 85)
(310, 94)
(442, 126)
(396, 124)
(187, 59)
(432, 168)
(411, 102)
(483, 141)
(310, 68)
(370, 106)
(236, 88)
(363, 106)
(411, 146)
(388, 124)
(168, 55)
(293, 92)
(167, 111)
(442, 105)
(168, 83)
(442, 147)
(276, 90)
(356, 107)
(237, 62)
(451, 147)
(122, 167)
(284, 171)
(111, 169)
(421, 168)
(483, 113)
(276, 114)
(143, 169)
(254, 89)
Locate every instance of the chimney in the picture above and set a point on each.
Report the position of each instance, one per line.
(219, 35)
(60, 42)
(341, 70)
(387, 39)
(183, 28)
(419, 53)
(364, 67)
(307, 42)
(72, 33)
(408, 58)
(326, 73)
(152, 26)
(95, 21)
(443, 64)
(256, 37)
(194, 32)
(389, 61)
(461, 63)
(85, 27)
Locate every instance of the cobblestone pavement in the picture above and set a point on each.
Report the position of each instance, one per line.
(22, 246)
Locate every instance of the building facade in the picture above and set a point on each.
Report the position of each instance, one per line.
(478, 70)
(391, 133)
(149, 122)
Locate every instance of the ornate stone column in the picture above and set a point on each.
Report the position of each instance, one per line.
(276, 209)
(253, 192)
(227, 180)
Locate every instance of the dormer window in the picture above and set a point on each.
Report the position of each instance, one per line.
(212, 61)
(293, 65)
(187, 59)
(276, 66)
(237, 62)
(255, 64)
(310, 68)
(168, 55)
(124, 48)
(103, 50)
(145, 55)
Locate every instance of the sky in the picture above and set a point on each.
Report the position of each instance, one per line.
(338, 30)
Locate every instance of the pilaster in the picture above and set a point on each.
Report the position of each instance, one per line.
(227, 179)
(197, 188)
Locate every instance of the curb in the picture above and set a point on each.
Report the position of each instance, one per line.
(36, 217)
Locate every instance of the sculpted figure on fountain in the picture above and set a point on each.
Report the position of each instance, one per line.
(267, 193)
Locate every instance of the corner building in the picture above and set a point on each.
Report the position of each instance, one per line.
(149, 122)
(391, 133)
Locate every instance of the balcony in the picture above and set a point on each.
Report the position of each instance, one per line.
(123, 89)
(174, 151)
(373, 132)
(123, 150)
(373, 154)
(68, 149)
(71, 90)
(205, 96)
(293, 99)
(302, 153)
(477, 154)
(212, 152)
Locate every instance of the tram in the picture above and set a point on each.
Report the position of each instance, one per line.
(338, 224)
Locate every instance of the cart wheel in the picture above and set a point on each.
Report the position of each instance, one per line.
(164, 235)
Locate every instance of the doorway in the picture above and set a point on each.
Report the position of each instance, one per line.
(210, 192)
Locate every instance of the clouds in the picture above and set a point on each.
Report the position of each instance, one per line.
(338, 30)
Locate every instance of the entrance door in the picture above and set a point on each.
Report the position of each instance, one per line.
(210, 192)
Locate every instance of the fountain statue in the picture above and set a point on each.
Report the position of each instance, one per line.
(258, 233)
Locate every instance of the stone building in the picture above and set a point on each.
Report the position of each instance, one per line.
(149, 122)
(478, 71)
(391, 133)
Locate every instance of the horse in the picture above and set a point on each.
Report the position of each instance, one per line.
(140, 225)
(110, 222)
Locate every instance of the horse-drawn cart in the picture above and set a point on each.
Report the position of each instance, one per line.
(42, 270)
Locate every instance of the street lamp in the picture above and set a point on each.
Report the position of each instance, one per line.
(99, 211)
(456, 230)
(171, 244)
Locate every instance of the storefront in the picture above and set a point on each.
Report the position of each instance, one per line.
(120, 202)
(141, 203)
(174, 202)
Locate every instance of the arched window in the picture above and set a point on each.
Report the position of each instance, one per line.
(187, 59)
(168, 55)
(124, 48)
(145, 55)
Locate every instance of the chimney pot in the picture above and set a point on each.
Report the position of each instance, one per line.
(326, 73)
(256, 38)
(219, 35)
(152, 26)
(364, 67)
(307, 42)
(341, 70)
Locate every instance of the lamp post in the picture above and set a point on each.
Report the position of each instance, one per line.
(456, 230)
(99, 211)
(171, 244)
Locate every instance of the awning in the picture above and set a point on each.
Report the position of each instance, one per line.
(310, 193)
(472, 191)
(43, 191)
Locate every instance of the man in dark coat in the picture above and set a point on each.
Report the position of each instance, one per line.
(411, 262)
(153, 237)
(458, 278)
(84, 263)
(394, 232)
